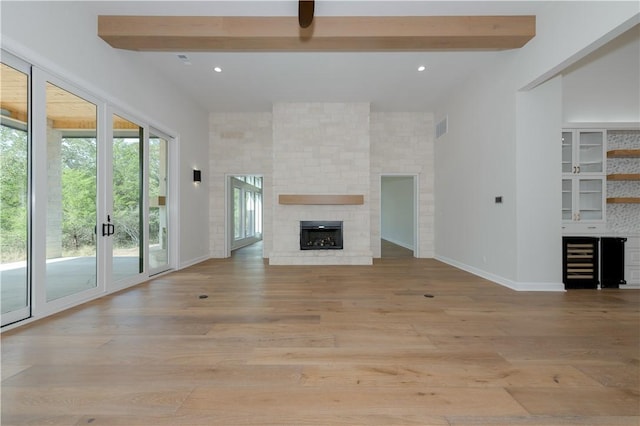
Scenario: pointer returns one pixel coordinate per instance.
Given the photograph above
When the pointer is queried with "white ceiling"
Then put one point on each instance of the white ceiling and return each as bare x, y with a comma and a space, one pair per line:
254, 81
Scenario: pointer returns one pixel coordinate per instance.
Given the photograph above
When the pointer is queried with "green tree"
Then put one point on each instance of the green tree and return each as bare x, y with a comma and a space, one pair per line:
79, 187
13, 194
79, 208
154, 187
78, 192
126, 191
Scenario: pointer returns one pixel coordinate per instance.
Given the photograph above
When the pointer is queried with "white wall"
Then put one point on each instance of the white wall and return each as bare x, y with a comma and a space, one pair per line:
475, 162
566, 32
480, 156
539, 191
605, 86
61, 37
398, 210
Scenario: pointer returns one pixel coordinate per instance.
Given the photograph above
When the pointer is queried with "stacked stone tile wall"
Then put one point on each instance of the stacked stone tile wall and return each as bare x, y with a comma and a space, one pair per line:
241, 144
317, 148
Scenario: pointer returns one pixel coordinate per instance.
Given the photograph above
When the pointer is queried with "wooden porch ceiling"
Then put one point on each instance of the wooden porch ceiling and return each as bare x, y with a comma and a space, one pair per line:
336, 34
65, 111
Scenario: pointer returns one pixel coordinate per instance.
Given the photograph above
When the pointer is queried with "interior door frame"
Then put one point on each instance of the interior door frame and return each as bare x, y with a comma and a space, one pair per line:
228, 206
416, 207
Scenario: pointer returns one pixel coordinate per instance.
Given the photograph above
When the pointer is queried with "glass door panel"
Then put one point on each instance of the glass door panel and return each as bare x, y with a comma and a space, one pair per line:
567, 152
127, 260
14, 194
591, 153
237, 213
158, 203
71, 147
591, 204
258, 214
248, 214
567, 199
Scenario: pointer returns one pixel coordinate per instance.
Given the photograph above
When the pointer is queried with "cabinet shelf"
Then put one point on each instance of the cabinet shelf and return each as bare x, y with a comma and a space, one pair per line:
624, 176
624, 153
623, 200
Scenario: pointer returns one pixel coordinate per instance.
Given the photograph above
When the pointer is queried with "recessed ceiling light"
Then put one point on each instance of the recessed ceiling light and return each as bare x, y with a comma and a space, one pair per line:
422, 68
217, 69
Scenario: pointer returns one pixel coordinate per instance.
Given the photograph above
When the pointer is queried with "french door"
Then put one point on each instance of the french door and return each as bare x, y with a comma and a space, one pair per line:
76, 181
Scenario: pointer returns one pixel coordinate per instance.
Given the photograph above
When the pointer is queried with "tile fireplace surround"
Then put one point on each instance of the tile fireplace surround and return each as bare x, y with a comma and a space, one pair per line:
321, 149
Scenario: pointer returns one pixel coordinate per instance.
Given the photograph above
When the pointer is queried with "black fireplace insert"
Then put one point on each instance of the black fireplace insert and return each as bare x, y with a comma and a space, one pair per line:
321, 235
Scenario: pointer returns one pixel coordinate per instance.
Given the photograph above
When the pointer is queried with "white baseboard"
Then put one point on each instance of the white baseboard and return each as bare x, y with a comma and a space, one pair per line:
192, 262
505, 282
630, 287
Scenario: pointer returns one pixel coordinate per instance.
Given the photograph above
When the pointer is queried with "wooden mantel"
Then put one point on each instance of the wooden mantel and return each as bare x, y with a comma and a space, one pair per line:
346, 33
320, 199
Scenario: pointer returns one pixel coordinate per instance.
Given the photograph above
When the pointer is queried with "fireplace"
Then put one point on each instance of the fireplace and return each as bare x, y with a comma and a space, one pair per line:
321, 235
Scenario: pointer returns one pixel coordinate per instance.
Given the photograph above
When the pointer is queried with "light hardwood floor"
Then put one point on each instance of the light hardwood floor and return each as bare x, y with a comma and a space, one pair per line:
310, 345
389, 249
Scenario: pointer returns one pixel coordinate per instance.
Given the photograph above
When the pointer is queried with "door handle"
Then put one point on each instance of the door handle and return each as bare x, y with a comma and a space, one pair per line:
108, 228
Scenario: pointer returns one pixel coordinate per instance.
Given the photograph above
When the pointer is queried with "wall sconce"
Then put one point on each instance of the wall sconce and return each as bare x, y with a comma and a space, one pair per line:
197, 175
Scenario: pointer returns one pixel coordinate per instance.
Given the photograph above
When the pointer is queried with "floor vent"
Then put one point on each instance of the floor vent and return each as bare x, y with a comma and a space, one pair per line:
441, 127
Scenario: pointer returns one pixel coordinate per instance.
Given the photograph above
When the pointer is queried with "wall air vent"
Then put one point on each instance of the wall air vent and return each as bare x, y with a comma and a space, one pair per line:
442, 127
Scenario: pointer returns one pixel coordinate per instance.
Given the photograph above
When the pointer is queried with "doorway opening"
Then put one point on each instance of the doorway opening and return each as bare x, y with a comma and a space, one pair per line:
398, 216
245, 212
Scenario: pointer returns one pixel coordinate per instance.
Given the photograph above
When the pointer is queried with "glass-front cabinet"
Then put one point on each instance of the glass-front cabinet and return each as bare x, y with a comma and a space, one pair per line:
582, 199
583, 151
583, 178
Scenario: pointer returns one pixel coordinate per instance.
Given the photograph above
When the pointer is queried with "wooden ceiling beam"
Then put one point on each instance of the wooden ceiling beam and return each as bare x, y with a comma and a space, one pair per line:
273, 34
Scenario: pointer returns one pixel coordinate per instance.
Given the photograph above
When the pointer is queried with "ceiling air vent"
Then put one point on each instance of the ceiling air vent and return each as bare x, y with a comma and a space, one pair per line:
184, 59
441, 127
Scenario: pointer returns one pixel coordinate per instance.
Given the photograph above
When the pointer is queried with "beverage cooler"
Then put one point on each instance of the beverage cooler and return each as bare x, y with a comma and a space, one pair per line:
592, 262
